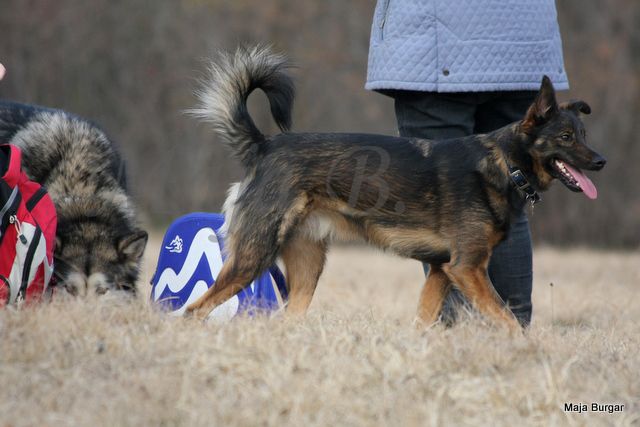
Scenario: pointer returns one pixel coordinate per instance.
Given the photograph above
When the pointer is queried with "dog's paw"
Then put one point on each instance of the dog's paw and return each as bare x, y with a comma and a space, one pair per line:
189, 312
422, 325
197, 312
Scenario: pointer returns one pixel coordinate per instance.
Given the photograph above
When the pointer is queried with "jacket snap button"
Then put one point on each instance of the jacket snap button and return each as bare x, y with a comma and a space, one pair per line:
445, 72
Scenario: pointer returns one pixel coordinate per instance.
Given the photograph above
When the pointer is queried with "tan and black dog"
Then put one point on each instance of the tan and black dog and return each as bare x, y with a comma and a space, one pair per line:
446, 203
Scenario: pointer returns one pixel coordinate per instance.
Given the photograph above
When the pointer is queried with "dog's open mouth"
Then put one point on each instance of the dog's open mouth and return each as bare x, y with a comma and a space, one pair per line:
574, 178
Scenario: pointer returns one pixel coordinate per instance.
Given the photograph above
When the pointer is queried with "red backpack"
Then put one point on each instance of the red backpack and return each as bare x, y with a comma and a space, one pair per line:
27, 232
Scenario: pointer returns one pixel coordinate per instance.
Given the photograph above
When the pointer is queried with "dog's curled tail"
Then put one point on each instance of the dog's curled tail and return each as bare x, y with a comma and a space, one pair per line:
223, 98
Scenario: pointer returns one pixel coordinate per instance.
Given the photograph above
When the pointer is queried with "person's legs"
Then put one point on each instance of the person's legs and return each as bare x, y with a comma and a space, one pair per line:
499, 109
437, 116
510, 268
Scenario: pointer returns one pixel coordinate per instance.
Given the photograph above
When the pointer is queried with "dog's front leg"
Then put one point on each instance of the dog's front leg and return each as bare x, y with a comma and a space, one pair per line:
473, 282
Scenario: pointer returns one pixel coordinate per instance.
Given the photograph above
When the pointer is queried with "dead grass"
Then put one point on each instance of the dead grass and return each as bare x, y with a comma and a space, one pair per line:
355, 360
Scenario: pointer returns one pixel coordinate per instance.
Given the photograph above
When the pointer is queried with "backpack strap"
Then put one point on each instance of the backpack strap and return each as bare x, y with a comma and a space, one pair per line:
12, 173
35, 198
4, 159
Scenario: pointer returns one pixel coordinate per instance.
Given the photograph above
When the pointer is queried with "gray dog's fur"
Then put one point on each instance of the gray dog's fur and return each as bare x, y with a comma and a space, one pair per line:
98, 242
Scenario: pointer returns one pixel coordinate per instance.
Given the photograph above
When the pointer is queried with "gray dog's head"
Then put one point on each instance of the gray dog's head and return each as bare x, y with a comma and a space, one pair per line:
97, 251
94, 264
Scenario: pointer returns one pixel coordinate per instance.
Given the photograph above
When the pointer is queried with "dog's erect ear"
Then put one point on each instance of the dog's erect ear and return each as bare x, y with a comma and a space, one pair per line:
576, 106
132, 246
543, 107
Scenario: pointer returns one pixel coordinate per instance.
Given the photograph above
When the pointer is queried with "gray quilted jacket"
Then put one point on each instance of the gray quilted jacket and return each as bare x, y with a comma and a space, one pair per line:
465, 45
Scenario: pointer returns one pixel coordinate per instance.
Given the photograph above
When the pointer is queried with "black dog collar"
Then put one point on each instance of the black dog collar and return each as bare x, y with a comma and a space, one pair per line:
522, 184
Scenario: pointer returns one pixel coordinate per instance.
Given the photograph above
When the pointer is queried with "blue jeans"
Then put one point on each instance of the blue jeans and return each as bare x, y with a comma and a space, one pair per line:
452, 115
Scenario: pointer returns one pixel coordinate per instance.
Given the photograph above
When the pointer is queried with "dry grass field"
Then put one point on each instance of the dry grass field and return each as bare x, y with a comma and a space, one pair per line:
354, 361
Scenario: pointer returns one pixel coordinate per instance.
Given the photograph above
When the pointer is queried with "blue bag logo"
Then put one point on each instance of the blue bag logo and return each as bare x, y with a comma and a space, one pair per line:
175, 246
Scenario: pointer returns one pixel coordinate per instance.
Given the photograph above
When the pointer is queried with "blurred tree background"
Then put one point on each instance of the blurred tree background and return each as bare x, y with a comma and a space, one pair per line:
132, 67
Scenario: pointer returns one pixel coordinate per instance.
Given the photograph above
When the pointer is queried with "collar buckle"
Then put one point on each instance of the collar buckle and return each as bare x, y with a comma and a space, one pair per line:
522, 184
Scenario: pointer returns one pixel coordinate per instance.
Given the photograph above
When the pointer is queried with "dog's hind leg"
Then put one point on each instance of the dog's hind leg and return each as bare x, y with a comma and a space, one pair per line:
251, 250
432, 296
256, 233
231, 280
304, 260
249, 255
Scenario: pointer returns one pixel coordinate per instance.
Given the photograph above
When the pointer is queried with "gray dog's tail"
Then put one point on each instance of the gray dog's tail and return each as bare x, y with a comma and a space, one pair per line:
223, 99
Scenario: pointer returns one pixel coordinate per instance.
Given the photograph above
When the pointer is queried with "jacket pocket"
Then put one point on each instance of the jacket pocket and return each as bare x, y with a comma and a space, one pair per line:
383, 15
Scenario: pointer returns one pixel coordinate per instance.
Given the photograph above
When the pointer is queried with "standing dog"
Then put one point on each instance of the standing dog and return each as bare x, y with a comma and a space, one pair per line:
98, 244
446, 203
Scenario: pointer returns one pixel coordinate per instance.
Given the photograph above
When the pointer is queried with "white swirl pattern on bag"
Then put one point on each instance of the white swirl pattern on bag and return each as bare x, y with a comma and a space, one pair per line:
204, 243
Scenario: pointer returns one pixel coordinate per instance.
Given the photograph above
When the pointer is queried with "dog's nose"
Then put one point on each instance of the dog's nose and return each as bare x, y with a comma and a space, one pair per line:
598, 162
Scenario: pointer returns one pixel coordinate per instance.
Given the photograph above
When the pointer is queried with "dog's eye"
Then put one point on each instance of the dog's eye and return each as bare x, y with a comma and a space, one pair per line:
566, 137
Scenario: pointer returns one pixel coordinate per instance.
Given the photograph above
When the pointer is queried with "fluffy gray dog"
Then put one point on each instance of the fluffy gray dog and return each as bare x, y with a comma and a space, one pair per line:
99, 244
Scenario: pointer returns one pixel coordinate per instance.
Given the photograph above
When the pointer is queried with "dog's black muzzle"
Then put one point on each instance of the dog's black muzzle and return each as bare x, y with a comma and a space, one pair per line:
597, 163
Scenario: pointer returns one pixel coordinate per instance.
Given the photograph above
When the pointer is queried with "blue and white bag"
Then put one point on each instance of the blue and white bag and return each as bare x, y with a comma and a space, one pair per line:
190, 259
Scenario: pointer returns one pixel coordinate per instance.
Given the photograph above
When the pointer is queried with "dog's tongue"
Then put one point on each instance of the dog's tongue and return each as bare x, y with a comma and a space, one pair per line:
586, 185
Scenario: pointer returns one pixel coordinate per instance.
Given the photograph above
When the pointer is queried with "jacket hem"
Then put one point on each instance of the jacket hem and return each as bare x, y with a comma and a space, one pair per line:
459, 87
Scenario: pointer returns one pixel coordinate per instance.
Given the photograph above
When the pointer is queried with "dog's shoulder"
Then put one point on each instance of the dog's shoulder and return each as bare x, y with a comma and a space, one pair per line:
16, 115
44, 133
